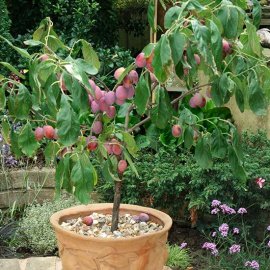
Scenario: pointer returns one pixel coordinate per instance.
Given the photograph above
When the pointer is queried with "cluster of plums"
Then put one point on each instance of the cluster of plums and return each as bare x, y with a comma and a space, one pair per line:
113, 147
47, 131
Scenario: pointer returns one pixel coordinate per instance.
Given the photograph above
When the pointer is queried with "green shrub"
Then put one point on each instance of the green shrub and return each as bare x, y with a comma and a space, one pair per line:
4, 31
178, 258
170, 178
111, 59
35, 231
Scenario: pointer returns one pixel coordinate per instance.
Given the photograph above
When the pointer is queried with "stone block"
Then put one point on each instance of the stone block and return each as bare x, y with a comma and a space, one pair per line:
9, 264
41, 263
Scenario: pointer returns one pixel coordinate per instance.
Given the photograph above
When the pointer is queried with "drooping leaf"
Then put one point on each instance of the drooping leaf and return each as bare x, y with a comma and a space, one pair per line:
50, 152
130, 162
62, 175
162, 59
256, 13
22, 103
236, 165
203, 154
188, 137
216, 42
253, 39
229, 16
257, 101
177, 43
151, 14
27, 141
5, 130
171, 16
89, 55
219, 144
2, 99
130, 143
161, 113
14, 137
22, 52
67, 123
142, 95
12, 69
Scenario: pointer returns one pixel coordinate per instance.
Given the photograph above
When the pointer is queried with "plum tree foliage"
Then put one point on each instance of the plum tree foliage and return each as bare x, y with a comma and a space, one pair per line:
64, 102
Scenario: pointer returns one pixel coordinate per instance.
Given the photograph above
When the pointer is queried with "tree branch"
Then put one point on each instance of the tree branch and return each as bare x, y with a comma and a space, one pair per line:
192, 91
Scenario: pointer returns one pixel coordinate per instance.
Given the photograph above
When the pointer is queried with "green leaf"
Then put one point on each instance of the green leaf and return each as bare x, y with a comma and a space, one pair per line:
142, 95
14, 137
130, 143
12, 69
90, 55
256, 13
219, 144
130, 162
203, 37
187, 117
162, 59
27, 141
239, 96
161, 113
5, 130
188, 137
253, 39
165, 52
203, 154
216, 42
22, 52
2, 99
177, 43
83, 171
147, 50
256, 100
32, 42
229, 17
236, 165
107, 171
67, 123
50, 152
151, 14
171, 16
123, 75
142, 141
62, 175
22, 103
222, 89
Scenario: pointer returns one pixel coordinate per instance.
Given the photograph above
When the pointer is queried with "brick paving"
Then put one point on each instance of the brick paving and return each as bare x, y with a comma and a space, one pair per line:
35, 263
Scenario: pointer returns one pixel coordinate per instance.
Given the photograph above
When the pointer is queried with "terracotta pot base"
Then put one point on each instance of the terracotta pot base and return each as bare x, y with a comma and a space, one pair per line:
146, 252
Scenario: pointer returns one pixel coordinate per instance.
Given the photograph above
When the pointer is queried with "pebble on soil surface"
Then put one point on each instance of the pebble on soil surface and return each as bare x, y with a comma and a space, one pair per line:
129, 226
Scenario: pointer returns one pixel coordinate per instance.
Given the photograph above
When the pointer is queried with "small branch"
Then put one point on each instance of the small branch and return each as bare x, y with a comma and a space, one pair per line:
192, 91
101, 82
131, 107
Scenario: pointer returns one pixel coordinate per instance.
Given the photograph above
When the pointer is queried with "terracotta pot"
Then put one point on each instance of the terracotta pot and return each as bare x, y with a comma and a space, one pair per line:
77, 252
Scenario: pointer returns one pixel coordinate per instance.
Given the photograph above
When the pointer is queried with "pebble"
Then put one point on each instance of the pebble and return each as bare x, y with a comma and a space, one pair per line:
129, 226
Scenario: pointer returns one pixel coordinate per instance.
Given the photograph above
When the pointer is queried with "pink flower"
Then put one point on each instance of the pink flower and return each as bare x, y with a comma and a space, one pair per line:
260, 182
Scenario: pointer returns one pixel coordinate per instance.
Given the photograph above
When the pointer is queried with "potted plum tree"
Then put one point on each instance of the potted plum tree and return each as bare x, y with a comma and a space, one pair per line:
67, 105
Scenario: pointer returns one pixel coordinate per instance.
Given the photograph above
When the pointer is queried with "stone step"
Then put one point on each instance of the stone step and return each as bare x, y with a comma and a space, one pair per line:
36, 263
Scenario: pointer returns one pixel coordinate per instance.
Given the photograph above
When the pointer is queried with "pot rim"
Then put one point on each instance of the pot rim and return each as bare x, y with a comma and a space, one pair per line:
98, 207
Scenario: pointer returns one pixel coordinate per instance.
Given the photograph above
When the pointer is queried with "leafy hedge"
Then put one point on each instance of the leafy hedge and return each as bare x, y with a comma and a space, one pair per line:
170, 179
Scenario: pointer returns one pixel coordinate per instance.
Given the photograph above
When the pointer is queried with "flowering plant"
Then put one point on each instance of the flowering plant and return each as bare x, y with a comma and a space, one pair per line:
80, 117
229, 242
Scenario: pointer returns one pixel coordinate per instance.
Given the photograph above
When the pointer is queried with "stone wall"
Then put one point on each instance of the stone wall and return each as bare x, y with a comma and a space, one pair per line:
26, 186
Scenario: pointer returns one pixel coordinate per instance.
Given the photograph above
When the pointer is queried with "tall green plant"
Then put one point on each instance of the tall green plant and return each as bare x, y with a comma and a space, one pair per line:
218, 39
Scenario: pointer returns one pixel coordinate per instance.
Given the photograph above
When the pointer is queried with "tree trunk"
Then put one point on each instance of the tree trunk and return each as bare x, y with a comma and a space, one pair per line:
116, 205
